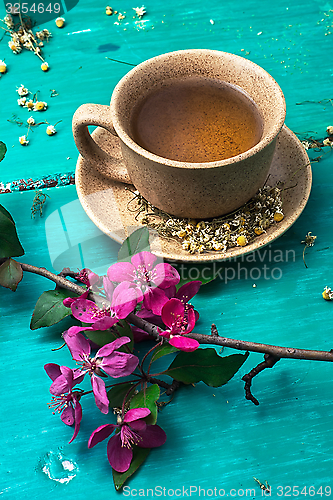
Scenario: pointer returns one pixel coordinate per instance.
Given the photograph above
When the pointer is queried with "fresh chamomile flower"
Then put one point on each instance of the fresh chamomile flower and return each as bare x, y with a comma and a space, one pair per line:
44, 66
3, 67
39, 106
50, 130
22, 91
31, 121
23, 140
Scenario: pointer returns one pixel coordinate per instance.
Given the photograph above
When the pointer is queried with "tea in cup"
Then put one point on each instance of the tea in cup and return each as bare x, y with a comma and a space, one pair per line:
197, 130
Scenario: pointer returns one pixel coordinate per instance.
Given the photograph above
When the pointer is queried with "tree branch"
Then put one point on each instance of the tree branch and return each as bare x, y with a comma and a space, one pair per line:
268, 363
215, 339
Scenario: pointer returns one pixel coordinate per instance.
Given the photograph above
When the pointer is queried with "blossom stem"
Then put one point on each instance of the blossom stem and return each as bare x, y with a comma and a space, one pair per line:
242, 345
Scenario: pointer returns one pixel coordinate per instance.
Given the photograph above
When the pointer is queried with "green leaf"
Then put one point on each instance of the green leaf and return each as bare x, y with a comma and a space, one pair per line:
205, 365
139, 456
137, 242
10, 274
163, 350
3, 150
10, 245
125, 330
202, 272
117, 394
49, 308
147, 399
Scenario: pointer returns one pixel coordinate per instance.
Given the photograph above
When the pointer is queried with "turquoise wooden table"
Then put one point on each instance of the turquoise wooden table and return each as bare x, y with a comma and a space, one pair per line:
216, 439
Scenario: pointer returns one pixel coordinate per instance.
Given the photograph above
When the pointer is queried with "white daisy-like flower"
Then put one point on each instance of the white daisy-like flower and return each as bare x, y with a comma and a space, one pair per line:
23, 140
22, 91
22, 101
140, 11
40, 106
31, 120
50, 130
3, 66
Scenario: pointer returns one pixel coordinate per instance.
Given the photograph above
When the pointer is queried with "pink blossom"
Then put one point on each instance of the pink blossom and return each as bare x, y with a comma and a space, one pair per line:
149, 280
178, 323
64, 399
131, 430
107, 361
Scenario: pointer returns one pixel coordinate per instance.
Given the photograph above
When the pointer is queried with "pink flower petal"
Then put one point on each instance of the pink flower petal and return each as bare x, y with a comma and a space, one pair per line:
187, 291
77, 419
101, 398
103, 323
184, 343
152, 437
52, 370
84, 310
67, 416
78, 345
172, 311
190, 320
73, 330
165, 275
59, 386
102, 432
154, 299
125, 299
119, 364
135, 414
108, 349
108, 287
121, 271
119, 456
145, 259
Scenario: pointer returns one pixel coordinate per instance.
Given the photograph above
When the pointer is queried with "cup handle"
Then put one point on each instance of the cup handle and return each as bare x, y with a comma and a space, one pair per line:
97, 114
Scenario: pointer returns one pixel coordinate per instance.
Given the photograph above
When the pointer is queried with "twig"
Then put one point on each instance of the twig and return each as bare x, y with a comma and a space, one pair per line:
268, 363
241, 345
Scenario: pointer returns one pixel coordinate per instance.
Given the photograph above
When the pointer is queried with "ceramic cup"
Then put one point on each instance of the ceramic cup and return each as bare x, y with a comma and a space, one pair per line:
194, 190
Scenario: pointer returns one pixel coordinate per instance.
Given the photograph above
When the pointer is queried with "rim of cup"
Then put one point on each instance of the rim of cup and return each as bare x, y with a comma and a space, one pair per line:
146, 66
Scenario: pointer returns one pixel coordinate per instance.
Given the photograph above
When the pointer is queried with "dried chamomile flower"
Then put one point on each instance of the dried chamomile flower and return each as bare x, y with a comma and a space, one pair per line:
22, 101
14, 46
3, 66
39, 106
31, 121
327, 293
50, 130
242, 240
9, 21
140, 11
23, 140
44, 66
60, 22
43, 35
22, 91
329, 130
309, 240
278, 216
328, 142
108, 10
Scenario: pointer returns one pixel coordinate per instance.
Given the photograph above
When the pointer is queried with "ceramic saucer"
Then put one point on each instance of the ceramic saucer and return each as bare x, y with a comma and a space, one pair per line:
106, 201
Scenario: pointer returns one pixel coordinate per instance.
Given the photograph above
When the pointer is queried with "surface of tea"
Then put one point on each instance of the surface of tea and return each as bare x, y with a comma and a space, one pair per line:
196, 120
